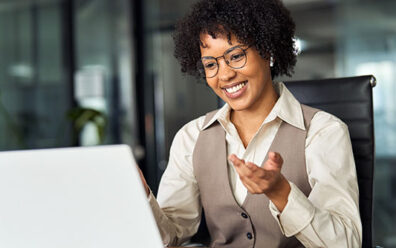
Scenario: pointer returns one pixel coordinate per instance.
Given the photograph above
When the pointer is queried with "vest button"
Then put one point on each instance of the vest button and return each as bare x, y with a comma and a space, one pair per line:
244, 215
249, 235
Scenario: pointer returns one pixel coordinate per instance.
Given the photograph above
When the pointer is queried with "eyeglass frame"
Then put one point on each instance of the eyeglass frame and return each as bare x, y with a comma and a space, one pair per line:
223, 56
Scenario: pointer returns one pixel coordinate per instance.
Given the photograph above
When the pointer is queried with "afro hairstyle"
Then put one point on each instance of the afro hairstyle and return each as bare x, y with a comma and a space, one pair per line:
266, 24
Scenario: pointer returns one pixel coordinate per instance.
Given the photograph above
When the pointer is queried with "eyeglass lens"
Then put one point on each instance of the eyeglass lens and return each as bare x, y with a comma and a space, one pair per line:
235, 58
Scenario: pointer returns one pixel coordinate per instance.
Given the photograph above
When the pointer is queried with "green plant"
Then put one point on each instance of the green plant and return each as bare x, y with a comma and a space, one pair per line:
81, 116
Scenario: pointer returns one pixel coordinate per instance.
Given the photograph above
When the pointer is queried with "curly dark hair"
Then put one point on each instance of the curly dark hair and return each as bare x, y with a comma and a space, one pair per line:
266, 24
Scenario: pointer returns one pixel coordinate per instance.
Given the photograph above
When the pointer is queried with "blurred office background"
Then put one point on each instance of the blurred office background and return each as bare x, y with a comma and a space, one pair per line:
86, 72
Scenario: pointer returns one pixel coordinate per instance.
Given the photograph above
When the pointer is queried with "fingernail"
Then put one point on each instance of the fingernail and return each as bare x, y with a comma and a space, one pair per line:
231, 158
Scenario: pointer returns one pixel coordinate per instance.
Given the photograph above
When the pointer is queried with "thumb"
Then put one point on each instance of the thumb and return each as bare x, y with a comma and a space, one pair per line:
146, 187
274, 161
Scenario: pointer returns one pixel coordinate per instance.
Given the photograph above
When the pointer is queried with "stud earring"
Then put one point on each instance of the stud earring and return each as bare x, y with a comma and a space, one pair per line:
271, 61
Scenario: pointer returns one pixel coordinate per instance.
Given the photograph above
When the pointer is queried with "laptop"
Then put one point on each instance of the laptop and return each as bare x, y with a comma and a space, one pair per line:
74, 197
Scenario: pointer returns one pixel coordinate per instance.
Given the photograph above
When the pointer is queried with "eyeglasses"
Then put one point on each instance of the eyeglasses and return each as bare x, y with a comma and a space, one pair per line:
235, 57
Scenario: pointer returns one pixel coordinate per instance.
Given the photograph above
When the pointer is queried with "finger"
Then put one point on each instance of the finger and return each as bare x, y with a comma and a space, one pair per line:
250, 185
275, 157
248, 169
258, 172
236, 161
271, 166
250, 189
254, 168
251, 166
243, 170
255, 185
239, 165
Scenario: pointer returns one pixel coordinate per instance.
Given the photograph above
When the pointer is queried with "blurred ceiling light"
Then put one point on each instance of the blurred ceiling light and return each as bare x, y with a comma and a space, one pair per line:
299, 45
21, 71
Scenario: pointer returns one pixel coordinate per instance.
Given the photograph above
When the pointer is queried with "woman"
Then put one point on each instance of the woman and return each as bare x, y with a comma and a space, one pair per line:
290, 179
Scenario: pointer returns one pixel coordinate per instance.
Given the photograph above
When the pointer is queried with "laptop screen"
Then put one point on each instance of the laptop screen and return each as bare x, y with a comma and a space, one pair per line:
74, 197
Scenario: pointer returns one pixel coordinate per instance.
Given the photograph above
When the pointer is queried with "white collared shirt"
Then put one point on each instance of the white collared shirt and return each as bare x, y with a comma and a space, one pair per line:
329, 217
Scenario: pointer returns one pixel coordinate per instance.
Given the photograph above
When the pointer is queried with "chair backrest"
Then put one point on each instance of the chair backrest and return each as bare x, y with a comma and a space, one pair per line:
350, 99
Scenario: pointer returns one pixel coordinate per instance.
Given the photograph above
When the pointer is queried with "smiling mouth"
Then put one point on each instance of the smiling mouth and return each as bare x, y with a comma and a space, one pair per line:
235, 88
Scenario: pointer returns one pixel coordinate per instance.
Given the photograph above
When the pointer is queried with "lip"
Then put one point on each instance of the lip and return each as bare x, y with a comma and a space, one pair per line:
235, 94
233, 84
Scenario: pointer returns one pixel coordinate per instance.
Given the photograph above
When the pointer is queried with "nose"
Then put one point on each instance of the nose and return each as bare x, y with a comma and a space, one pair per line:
225, 72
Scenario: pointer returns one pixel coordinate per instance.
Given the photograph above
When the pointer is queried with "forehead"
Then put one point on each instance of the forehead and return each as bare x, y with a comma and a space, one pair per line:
212, 46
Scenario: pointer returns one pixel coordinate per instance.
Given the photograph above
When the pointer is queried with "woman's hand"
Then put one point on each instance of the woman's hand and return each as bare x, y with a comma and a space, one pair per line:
146, 187
266, 180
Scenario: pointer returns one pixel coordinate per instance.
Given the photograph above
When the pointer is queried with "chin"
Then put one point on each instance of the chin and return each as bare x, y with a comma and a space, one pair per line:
238, 107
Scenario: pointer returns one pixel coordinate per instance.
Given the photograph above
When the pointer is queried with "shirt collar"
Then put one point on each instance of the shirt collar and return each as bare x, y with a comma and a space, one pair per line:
223, 115
287, 108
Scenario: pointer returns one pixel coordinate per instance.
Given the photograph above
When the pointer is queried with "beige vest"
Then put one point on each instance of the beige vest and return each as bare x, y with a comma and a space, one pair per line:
250, 225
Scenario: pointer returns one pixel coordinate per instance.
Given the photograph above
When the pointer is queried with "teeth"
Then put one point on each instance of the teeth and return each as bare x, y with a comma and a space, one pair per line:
235, 88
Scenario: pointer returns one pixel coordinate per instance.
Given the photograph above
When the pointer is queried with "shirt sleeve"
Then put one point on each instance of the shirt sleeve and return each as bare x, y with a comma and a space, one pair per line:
329, 216
177, 209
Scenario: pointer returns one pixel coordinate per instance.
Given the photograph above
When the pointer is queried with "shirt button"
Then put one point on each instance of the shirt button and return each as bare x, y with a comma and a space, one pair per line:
244, 215
249, 235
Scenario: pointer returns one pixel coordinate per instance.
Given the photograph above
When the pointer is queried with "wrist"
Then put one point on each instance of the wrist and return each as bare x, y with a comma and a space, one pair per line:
280, 193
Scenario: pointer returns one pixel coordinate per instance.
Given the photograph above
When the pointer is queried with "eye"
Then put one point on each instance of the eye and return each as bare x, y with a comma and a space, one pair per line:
210, 65
236, 56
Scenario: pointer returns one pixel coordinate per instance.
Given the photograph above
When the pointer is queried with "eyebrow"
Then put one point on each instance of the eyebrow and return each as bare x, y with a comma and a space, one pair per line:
228, 50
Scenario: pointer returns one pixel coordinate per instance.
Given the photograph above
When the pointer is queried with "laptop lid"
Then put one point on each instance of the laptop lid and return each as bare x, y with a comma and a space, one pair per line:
74, 197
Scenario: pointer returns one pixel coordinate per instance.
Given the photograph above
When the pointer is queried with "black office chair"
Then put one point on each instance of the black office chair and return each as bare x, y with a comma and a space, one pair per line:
350, 99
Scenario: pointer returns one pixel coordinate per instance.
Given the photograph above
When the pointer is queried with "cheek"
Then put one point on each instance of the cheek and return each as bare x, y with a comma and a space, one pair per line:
212, 84
257, 71
256, 66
